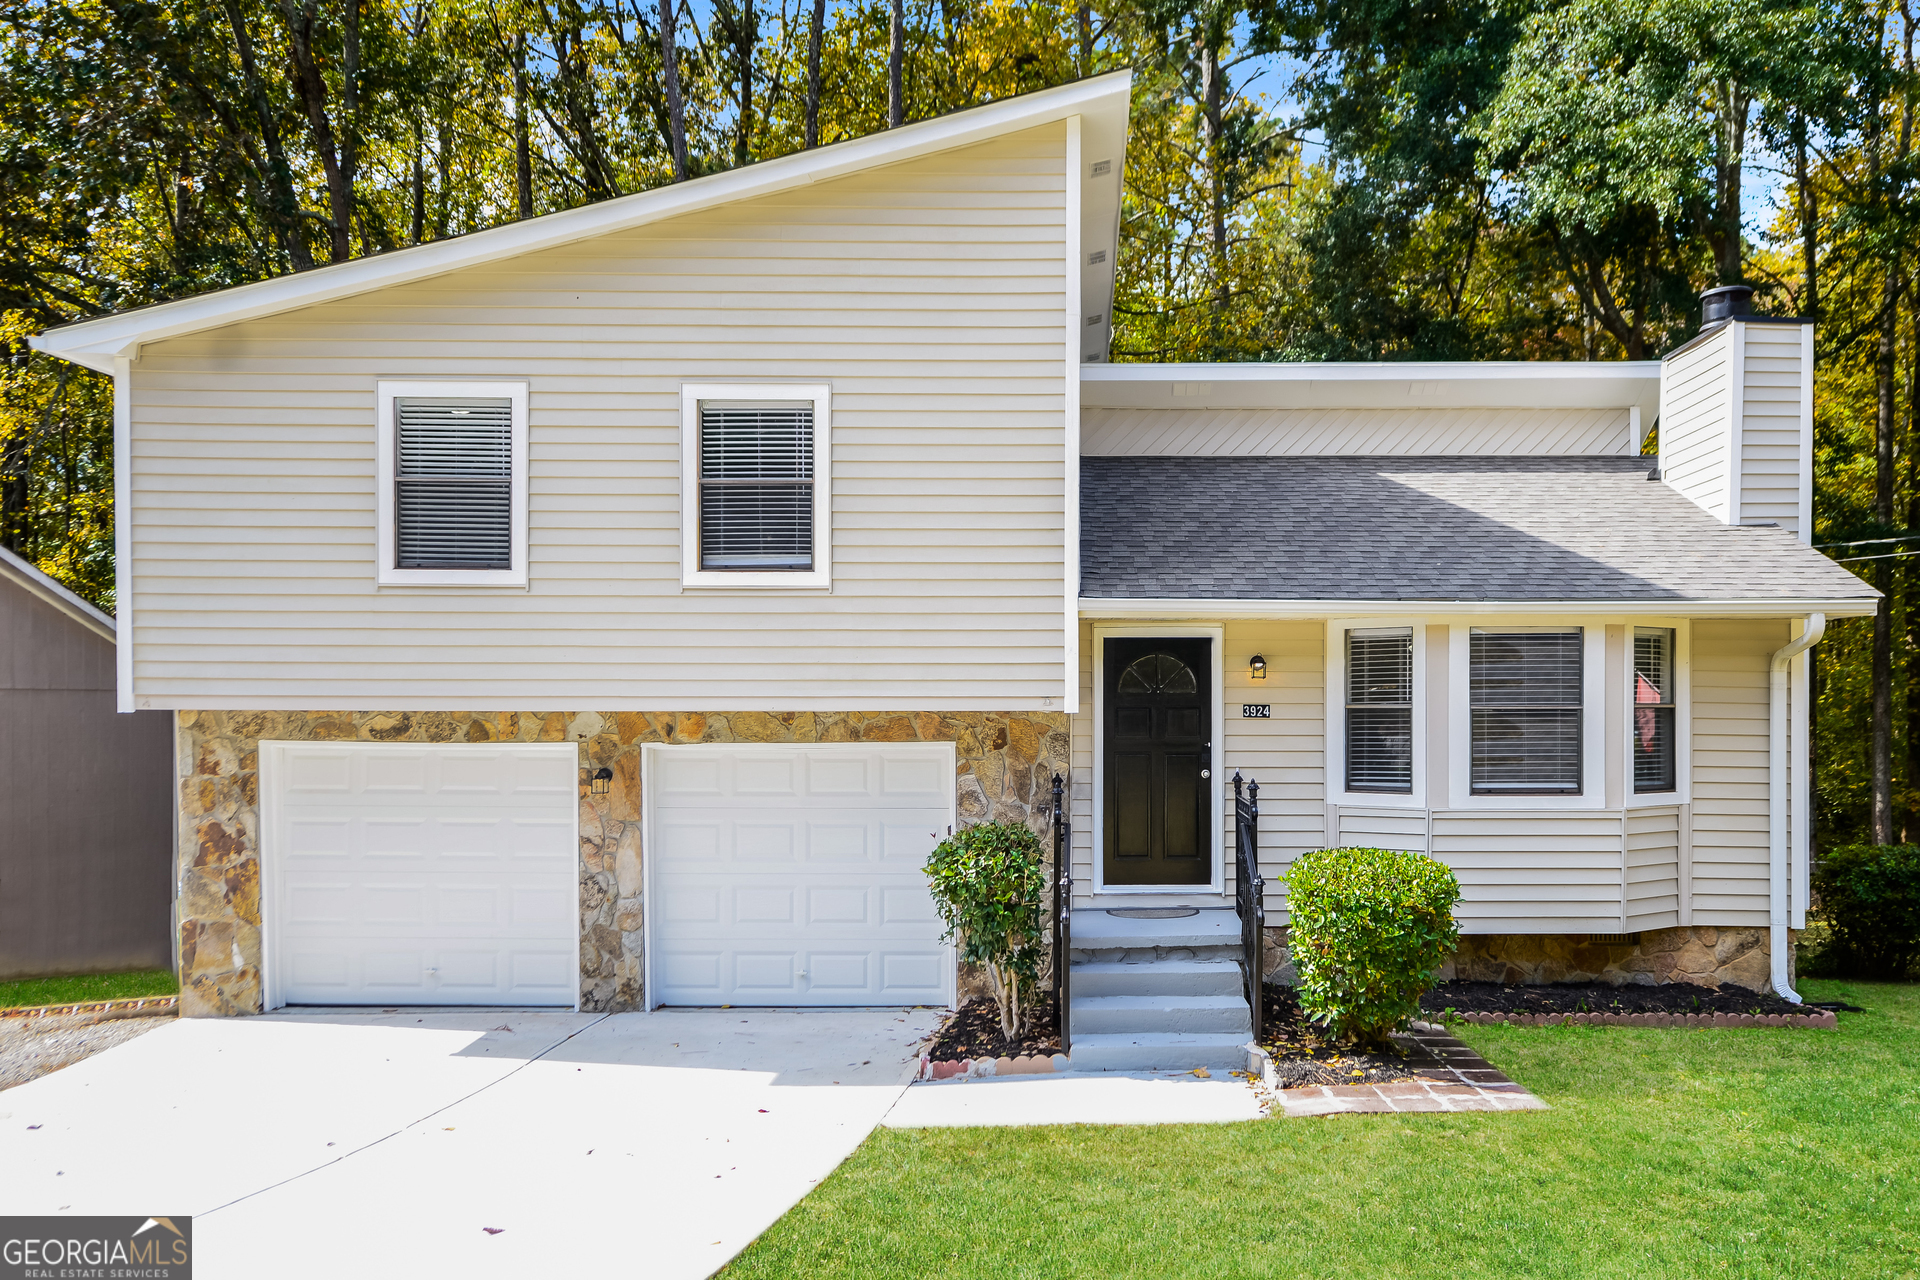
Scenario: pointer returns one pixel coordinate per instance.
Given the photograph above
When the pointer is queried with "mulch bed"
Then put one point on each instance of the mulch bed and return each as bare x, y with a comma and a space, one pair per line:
973, 1031
1599, 997
1303, 1057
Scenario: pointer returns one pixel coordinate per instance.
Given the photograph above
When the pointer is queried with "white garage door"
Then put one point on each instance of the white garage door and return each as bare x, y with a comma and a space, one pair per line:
791, 875
403, 874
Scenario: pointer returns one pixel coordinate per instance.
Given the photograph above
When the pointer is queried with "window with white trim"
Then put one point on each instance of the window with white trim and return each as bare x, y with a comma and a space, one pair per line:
1524, 690
1653, 730
1379, 721
757, 492
453, 485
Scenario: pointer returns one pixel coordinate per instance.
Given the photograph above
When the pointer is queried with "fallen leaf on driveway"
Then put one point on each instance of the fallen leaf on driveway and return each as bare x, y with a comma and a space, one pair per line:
493, 1231
1203, 1073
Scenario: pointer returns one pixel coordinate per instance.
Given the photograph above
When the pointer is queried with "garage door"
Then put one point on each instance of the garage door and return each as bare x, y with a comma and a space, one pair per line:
788, 875
401, 874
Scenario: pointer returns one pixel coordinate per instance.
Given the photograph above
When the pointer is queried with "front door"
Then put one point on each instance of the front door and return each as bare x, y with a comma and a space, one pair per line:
1159, 757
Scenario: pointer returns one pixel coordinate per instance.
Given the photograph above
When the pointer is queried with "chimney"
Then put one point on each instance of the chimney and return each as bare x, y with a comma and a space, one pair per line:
1736, 415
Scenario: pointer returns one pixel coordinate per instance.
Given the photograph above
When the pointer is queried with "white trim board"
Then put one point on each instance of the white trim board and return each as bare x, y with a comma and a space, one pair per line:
820, 394
1172, 608
1335, 684
387, 573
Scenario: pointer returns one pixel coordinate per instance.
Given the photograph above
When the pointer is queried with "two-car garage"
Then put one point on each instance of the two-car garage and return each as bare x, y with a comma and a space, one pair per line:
431, 874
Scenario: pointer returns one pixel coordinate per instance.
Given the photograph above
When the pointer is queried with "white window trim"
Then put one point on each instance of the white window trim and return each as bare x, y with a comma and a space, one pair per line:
691, 574
1218, 634
386, 494
1682, 792
1593, 724
1336, 688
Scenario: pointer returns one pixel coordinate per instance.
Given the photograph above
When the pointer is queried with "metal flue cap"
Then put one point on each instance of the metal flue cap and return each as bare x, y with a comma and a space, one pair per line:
1721, 304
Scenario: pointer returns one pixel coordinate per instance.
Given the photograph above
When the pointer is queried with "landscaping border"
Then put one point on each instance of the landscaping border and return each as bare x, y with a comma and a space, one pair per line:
975, 1068
1825, 1020
103, 1010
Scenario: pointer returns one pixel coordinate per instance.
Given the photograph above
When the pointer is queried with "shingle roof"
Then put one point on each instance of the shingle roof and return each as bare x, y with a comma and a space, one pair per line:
1425, 528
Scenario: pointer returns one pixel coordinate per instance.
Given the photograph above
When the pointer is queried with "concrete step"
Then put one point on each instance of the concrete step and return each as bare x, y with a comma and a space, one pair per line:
1095, 930
1145, 1051
1094, 1015
1157, 978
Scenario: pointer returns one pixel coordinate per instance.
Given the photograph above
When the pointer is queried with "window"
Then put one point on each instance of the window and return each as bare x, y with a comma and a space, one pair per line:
756, 500
1524, 695
453, 486
1380, 710
1653, 710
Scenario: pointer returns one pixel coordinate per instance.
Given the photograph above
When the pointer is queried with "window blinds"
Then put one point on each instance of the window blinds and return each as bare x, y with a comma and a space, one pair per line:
1653, 704
1524, 692
1380, 711
454, 481
756, 486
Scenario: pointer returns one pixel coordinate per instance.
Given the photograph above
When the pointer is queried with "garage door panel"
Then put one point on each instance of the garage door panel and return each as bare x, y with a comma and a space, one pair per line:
763, 904
839, 905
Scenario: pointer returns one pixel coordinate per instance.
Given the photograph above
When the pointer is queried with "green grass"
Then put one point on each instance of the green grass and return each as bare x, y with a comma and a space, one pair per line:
87, 987
1666, 1153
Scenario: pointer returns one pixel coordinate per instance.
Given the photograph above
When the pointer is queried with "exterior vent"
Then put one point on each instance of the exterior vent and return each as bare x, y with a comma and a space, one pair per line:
454, 476
1613, 939
1096, 318
1097, 257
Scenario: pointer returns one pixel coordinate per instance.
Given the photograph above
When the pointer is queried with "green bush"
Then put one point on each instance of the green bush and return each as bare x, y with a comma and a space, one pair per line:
1869, 899
988, 883
1369, 929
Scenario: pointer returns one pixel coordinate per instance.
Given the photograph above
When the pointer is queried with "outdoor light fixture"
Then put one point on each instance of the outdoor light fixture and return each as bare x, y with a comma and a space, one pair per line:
1257, 667
602, 781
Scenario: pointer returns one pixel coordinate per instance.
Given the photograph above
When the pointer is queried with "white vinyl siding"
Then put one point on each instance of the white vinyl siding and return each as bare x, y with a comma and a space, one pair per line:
931, 295
1696, 415
1735, 423
1771, 439
1396, 432
1729, 770
1652, 889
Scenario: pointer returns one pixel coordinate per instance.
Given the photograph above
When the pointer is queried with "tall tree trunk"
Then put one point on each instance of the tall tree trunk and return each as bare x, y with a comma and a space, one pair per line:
1910, 820
1213, 97
1881, 741
288, 227
1083, 20
1735, 104
896, 66
676, 108
745, 38
312, 88
522, 140
350, 103
417, 224
1809, 201
816, 29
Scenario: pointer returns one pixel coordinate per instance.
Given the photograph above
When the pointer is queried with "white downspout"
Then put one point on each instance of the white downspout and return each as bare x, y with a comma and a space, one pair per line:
1777, 782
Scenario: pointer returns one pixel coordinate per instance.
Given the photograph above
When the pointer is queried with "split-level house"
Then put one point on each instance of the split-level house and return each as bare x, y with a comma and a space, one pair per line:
612, 609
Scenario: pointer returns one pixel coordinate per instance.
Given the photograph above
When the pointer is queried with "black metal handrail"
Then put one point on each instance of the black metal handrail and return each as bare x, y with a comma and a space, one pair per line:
1249, 890
1062, 911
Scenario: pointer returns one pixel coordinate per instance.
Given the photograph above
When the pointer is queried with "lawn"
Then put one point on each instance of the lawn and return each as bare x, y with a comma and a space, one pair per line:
1666, 1153
88, 987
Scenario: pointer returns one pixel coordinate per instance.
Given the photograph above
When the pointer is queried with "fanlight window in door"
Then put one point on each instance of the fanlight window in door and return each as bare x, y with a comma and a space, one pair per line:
1158, 673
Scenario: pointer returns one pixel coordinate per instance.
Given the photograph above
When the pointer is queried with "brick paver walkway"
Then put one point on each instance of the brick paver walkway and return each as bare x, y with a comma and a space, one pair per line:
1452, 1078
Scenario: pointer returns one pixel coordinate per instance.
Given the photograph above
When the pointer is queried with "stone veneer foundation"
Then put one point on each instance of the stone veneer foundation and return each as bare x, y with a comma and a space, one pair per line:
1006, 762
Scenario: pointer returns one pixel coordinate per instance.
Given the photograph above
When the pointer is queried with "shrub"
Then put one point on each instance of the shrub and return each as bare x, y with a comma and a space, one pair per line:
988, 881
1870, 901
1369, 929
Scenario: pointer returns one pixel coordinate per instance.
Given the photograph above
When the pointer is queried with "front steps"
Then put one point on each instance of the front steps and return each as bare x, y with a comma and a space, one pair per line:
1157, 995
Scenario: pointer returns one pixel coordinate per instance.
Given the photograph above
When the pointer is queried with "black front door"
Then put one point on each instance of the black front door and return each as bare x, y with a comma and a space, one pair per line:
1159, 756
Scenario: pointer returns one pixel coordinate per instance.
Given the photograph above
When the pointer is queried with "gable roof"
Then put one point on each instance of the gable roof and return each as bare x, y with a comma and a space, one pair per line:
30, 579
1100, 101
1553, 530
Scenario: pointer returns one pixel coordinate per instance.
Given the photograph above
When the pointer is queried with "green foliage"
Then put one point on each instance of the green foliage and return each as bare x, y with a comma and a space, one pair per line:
1869, 899
988, 884
1368, 930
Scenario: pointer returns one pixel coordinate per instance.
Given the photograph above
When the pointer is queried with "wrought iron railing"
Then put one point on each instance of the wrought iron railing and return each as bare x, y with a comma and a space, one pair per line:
1062, 911
1249, 890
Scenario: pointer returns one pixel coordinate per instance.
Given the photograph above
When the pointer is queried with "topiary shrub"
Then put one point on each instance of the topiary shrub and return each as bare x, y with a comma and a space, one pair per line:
988, 881
1870, 901
1368, 929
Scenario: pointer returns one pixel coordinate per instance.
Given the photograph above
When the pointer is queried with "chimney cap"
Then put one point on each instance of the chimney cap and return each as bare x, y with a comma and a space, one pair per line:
1724, 302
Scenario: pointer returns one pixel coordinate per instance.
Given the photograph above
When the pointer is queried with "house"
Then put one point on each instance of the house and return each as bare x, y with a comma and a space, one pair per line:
613, 607
87, 845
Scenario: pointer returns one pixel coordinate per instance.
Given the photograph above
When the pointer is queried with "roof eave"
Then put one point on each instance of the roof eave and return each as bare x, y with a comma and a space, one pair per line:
1169, 607
30, 578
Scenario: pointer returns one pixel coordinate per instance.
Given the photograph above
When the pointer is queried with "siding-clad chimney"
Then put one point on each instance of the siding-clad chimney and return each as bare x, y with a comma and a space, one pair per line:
1736, 416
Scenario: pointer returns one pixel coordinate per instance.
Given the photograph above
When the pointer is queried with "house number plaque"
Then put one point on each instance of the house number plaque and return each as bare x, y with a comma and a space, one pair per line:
1256, 711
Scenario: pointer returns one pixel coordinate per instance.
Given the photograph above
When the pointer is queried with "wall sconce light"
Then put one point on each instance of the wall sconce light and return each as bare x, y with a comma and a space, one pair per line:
602, 781
1257, 667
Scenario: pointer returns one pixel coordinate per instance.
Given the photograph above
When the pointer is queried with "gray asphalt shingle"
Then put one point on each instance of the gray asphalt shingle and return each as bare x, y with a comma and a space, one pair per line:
1425, 528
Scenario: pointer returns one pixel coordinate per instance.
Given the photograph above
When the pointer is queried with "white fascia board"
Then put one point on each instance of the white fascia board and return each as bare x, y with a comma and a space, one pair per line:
1115, 607
1391, 385
95, 343
30, 579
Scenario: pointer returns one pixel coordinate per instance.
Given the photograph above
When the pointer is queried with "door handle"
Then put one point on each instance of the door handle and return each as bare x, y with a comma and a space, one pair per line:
1206, 773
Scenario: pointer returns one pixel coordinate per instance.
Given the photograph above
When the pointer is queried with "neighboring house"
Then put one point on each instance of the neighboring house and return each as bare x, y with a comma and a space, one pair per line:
86, 843
614, 606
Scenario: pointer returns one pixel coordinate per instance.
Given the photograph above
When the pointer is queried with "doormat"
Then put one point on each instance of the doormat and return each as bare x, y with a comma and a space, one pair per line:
1152, 913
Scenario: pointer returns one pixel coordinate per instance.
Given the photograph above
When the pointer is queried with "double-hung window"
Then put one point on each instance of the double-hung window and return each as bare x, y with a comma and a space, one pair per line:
452, 477
757, 492
1525, 710
1653, 710
1379, 721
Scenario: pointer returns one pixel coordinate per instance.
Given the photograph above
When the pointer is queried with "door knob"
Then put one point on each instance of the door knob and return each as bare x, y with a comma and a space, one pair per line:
1206, 773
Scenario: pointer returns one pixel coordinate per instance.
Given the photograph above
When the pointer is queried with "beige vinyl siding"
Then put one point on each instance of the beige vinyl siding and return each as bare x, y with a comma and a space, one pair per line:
931, 294
1652, 869
1382, 827
1729, 847
1395, 432
1770, 426
1696, 411
1533, 871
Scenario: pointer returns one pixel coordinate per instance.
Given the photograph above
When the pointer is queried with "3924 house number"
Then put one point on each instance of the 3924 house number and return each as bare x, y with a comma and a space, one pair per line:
1256, 711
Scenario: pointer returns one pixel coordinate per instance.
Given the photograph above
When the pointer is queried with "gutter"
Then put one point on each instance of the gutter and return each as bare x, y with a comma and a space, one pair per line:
1777, 795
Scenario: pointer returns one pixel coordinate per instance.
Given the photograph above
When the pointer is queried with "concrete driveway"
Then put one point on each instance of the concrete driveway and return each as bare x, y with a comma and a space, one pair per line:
386, 1144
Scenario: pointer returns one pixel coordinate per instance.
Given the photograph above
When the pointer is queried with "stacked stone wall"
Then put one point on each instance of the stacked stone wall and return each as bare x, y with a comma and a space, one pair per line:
1006, 763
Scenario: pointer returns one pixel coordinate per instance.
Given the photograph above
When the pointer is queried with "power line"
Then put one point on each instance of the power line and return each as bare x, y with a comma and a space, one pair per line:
1864, 542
